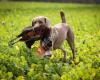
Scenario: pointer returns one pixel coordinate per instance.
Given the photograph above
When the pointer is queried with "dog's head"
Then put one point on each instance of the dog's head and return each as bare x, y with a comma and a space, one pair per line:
40, 21
41, 26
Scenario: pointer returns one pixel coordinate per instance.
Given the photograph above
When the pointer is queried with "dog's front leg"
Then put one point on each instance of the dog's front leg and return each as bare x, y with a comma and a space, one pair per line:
64, 51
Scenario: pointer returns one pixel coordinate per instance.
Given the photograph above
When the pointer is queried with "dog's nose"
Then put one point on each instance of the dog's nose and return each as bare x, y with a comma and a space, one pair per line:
36, 25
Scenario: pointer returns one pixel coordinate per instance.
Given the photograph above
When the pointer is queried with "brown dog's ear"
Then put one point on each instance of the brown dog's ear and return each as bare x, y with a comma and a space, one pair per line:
33, 22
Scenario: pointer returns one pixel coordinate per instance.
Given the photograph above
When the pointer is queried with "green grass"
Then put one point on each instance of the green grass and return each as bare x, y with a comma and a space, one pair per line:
21, 63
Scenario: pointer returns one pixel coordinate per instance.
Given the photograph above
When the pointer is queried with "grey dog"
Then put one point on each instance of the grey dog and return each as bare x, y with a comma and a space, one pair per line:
57, 34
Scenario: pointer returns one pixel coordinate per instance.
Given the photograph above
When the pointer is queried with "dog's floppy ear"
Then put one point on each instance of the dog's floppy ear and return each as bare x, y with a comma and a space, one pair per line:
47, 22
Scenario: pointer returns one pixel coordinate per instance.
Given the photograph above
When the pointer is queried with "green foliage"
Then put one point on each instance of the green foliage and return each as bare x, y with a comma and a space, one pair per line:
20, 63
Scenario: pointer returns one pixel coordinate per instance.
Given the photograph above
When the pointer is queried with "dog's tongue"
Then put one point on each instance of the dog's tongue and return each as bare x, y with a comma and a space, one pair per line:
40, 51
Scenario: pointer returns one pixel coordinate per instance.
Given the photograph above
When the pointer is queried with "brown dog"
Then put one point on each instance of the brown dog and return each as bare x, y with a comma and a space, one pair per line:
57, 35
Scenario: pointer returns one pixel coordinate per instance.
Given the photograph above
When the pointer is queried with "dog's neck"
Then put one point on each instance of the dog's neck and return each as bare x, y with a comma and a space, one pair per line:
45, 37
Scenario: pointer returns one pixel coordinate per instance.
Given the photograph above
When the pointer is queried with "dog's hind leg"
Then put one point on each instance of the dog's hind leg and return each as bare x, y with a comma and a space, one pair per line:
70, 40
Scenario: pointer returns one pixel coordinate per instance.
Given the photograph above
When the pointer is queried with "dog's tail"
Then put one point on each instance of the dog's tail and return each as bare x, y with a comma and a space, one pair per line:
62, 17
